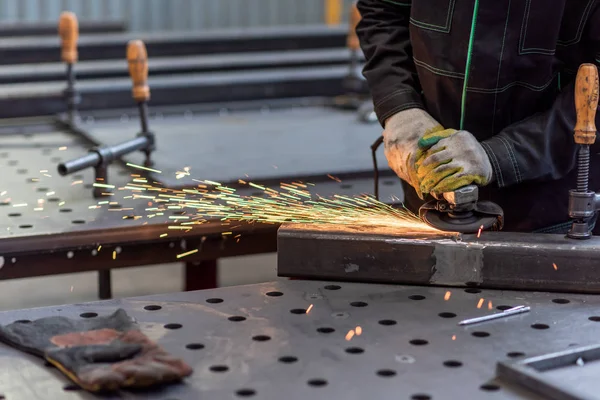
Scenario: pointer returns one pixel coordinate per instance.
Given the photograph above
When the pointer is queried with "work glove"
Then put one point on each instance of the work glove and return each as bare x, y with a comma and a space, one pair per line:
401, 142
450, 160
99, 354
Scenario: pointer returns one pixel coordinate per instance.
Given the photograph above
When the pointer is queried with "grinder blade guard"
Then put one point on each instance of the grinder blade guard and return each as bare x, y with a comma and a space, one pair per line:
460, 211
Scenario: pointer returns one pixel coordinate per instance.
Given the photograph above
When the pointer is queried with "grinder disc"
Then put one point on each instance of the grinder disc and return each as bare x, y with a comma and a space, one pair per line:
486, 216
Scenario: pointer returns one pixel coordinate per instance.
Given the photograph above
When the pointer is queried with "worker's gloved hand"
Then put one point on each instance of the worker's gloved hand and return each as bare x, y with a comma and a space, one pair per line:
451, 159
99, 354
401, 141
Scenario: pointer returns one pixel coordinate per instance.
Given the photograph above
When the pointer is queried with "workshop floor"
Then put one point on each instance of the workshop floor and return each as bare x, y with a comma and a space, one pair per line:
82, 287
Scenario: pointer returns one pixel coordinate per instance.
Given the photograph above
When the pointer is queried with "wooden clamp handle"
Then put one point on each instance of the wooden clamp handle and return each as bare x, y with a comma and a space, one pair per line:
586, 103
68, 29
137, 58
352, 42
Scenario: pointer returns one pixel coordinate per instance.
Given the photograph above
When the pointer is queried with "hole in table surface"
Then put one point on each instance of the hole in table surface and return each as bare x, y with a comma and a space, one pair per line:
447, 315
515, 354
14, 214
21, 171
298, 311
173, 326
88, 315
4, 203
115, 206
12, 163
219, 368
386, 373
346, 186
325, 330
65, 210
245, 392
472, 290
274, 294
355, 350
480, 334
214, 301
53, 200
453, 364
42, 189
387, 322
540, 326
359, 304
25, 226
503, 307
419, 342
194, 346
594, 318
421, 397
417, 297
561, 301
288, 359
23, 321
237, 318
489, 387
152, 307
261, 338
78, 221
333, 287
317, 382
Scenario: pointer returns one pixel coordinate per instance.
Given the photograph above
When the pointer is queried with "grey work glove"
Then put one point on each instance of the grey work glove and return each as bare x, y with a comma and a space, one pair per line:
401, 142
451, 159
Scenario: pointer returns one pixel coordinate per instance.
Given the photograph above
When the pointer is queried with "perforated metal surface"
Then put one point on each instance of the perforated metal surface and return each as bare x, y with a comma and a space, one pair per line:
260, 341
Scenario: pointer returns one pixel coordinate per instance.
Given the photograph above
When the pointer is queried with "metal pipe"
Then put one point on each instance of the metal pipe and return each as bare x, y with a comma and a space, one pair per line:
103, 155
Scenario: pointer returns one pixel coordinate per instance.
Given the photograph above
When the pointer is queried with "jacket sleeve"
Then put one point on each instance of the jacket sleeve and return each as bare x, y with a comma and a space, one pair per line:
542, 147
389, 70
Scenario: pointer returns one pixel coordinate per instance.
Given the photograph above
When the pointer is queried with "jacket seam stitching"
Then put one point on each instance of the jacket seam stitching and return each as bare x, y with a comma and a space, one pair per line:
512, 157
515, 83
389, 96
438, 71
444, 29
500, 66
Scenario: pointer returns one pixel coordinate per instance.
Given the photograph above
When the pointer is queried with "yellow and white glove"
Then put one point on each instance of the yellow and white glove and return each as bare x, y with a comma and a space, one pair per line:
401, 142
451, 159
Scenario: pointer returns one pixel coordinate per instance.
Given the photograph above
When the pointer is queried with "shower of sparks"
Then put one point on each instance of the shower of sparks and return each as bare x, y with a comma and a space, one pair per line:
453, 337
63, 148
292, 203
309, 308
447, 295
358, 330
114, 255
480, 304
350, 335
555, 266
490, 306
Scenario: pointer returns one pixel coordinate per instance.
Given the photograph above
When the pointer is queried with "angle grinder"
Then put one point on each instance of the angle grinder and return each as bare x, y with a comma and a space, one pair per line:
461, 211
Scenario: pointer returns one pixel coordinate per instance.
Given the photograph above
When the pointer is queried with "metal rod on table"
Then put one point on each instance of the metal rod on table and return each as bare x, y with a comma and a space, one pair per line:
505, 313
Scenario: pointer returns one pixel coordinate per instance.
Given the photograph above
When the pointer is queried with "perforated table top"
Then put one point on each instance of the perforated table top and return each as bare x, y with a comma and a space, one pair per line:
292, 340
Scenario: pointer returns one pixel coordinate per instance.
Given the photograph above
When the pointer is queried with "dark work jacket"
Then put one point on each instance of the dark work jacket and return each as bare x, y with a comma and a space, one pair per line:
518, 96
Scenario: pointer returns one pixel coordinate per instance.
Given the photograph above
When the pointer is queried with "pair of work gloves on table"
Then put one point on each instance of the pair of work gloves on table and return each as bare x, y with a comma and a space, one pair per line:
433, 160
99, 354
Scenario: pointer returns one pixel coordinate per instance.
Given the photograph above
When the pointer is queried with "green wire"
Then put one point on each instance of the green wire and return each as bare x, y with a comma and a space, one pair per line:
468, 66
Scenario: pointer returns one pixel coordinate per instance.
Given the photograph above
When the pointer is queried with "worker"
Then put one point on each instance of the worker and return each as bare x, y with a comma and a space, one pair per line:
481, 92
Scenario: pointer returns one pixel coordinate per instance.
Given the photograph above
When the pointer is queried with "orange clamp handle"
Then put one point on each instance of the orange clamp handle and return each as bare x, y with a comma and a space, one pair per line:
68, 29
586, 103
355, 17
137, 58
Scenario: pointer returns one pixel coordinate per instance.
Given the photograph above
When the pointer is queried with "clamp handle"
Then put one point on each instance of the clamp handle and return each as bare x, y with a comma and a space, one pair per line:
137, 58
355, 17
586, 103
68, 29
